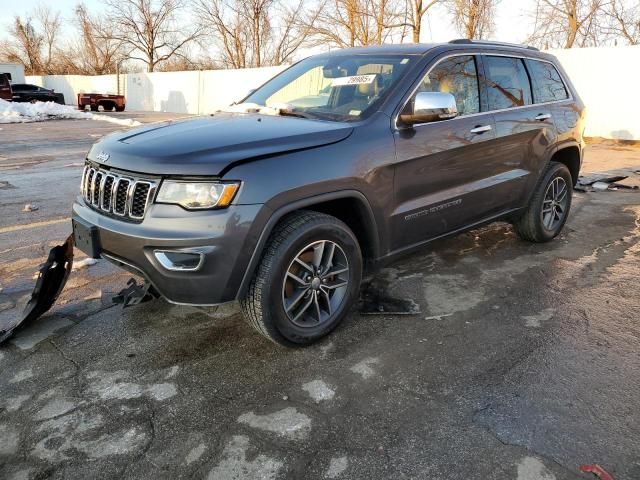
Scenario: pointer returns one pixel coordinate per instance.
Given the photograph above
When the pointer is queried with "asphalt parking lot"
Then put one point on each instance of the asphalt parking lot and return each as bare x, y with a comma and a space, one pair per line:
523, 363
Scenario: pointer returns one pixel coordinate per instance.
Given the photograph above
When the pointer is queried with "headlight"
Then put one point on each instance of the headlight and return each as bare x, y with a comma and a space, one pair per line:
197, 195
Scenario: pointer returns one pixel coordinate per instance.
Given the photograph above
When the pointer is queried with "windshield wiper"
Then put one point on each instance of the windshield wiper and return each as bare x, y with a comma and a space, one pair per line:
291, 113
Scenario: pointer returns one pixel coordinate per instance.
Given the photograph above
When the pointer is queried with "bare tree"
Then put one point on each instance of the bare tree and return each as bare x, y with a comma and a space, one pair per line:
97, 51
34, 41
623, 21
474, 18
254, 33
567, 23
350, 23
416, 10
149, 29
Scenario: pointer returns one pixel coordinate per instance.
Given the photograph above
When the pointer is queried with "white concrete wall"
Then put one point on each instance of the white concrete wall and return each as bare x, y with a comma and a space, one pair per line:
607, 79
182, 92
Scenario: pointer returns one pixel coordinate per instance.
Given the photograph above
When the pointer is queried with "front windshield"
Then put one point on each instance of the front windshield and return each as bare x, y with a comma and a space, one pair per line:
341, 88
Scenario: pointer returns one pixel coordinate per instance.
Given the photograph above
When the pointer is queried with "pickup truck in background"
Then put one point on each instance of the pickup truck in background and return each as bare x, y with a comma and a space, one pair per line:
26, 92
5, 88
108, 102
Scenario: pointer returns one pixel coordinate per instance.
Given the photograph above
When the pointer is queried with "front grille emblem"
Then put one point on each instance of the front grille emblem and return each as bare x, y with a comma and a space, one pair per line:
102, 157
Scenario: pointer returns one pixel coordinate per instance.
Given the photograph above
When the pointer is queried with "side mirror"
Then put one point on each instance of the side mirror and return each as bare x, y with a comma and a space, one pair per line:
429, 107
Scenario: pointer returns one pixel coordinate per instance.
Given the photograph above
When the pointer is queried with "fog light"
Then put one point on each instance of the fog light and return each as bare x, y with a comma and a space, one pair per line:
179, 260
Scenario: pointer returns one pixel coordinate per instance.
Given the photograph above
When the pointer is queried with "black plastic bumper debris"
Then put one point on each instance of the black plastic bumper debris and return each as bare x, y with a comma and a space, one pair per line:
52, 277
135, 294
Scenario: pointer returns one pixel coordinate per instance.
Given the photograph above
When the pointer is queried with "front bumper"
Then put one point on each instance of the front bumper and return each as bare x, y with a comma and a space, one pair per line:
224, 237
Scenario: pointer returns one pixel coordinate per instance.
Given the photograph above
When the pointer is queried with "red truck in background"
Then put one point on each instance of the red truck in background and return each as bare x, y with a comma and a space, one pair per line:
95, 100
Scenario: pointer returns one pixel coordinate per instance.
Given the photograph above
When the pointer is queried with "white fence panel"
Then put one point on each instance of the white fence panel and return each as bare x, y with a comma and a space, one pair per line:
607, 80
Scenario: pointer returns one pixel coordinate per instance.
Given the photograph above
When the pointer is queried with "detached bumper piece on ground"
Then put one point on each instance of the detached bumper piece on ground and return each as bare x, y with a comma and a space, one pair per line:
135, 294
52, 277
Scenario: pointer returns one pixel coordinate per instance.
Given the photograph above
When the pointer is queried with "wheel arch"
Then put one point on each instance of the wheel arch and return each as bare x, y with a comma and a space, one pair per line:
570, 156
349, 206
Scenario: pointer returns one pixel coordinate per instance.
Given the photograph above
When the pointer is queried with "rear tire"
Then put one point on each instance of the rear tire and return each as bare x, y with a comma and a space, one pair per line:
311, 260
94, 108
549, 206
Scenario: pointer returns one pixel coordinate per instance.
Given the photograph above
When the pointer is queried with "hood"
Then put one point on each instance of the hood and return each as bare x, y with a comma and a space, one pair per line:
211, 145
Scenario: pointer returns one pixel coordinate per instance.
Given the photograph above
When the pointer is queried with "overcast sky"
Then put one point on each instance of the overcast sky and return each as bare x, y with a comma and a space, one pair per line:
511, 22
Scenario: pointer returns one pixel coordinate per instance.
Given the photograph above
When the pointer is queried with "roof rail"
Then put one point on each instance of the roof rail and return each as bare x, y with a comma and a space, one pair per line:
462, 41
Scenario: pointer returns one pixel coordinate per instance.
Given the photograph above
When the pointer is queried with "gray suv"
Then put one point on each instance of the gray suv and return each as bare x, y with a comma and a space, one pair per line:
338, 164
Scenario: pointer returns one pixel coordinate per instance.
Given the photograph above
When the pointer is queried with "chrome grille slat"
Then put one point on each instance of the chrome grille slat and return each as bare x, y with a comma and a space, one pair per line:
116, 194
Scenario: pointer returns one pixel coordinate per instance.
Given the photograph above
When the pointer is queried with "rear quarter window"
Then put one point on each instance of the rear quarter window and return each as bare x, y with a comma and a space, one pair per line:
507, 83
547, 83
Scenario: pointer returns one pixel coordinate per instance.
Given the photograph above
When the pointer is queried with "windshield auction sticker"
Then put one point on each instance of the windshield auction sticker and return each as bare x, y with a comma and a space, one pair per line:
353, 80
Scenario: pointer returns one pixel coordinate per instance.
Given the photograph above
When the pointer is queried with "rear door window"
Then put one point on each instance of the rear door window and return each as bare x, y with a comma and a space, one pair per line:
507, 83
547, 83
457, 76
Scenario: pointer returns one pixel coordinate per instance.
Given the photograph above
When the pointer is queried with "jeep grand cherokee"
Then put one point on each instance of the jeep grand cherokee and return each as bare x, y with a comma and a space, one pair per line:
343, 161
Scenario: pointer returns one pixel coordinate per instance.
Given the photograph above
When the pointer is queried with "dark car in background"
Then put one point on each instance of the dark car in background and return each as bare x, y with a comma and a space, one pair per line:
283, 201
5, 88
26, 92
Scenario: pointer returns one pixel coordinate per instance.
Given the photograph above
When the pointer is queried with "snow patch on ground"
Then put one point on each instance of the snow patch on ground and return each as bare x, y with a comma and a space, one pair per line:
195, 454
535, 321
318, 391
85, 262
235, 463
364, 369
12, 112
13, 404
336, 467
531, 468
286, 423
22, 375
8, 440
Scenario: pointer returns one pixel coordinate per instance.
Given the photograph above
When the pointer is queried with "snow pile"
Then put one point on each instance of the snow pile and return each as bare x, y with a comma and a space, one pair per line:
125, 122
12, 112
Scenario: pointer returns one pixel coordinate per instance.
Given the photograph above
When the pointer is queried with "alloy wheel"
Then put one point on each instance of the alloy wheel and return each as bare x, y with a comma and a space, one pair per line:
315, 283
554, 205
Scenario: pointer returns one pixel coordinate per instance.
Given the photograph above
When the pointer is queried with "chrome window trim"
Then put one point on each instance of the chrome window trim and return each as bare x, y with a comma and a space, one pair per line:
488, 54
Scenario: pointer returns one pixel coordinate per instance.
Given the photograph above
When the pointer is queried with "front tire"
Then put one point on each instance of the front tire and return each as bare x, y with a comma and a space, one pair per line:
307, 280
549, 207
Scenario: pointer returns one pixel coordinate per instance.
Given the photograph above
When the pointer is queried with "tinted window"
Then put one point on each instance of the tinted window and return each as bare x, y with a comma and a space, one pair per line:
547, 84
457, 76
4, 81
507, 83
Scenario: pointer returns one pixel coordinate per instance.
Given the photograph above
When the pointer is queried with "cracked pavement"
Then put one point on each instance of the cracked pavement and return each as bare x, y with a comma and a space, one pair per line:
523, 362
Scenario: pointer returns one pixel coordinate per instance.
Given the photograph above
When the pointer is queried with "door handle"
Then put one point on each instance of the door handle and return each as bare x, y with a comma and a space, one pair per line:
480, 129
543, 116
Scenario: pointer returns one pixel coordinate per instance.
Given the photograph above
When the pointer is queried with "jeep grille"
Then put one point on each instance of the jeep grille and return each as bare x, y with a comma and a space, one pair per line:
117, 194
